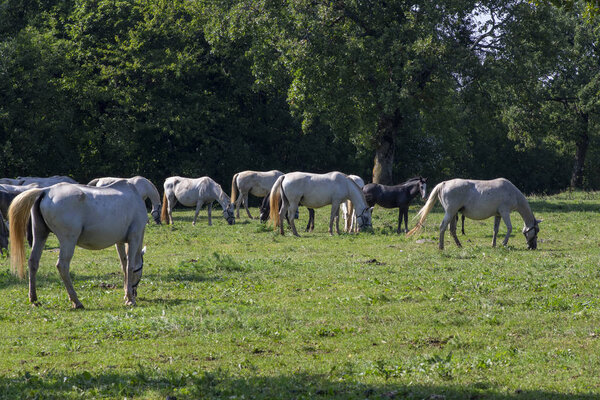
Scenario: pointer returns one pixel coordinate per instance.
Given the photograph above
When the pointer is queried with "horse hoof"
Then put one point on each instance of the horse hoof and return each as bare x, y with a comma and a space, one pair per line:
78, 306
130, 303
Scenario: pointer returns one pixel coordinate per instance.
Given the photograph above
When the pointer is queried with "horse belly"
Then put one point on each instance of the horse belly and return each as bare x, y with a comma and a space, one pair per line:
187, 198
479, 213
315, 200
97, 238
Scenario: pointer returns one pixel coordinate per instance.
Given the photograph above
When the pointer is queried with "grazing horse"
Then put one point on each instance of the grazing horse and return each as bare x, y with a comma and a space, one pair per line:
3, 234
195, 192
84, 216
348, 209
480, 200
256, 183
144, 187
265, 210
314, 191
45, 181
396, 196
8, 194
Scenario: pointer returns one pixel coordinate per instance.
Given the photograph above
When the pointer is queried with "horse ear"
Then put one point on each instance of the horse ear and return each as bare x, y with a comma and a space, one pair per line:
424, 179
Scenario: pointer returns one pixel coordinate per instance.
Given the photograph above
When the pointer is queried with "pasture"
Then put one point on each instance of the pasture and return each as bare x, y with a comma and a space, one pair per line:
241, 312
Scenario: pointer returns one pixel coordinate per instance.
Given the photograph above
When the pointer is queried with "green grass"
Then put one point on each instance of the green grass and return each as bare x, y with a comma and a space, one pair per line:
240, 312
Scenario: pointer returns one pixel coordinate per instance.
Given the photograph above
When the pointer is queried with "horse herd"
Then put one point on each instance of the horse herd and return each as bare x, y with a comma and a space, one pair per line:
79, 214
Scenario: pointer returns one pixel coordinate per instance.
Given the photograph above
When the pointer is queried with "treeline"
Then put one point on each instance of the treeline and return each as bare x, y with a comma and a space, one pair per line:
386, 90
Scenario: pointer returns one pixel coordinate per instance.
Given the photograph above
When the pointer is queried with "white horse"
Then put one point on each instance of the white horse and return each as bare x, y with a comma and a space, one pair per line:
89, 217
348, 211
195, 192
480, 200
144, 187
256, 183
314, 191
45, 181
40, 181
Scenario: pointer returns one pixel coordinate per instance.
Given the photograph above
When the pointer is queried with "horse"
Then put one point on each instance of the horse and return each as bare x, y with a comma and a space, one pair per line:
256, 183
347, 209
195, 192
396, 196
480, 200
8, 194
3, 234
45, 181
84, 216
10, 181
314, 191
144, 187
265, 210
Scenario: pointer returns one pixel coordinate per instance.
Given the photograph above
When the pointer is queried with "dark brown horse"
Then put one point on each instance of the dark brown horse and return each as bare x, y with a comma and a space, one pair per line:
398, 196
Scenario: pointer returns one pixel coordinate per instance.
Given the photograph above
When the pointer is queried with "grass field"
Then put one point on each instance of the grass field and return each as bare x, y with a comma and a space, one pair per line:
238, 312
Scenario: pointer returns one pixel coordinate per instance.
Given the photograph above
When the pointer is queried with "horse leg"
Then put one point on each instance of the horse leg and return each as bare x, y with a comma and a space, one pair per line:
443, 227
67, 248
199, 205
40, 234
290, 214
506, 219
246, 206
283, 214
453, 223
122, 252
335, 207
238, 201
462, 218
171, 201
209, 211
311, 220
133, 247
496, 228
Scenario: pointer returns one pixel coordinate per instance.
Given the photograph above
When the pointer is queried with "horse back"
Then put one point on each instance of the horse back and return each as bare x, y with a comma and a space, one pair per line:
96, 217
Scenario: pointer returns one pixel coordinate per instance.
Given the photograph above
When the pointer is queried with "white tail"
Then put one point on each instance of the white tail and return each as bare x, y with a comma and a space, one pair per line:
422, 214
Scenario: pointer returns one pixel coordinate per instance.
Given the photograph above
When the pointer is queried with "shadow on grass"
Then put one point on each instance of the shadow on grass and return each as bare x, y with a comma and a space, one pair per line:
159, 383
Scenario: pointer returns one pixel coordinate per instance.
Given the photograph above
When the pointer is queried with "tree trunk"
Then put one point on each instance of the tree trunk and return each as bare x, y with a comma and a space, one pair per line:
387, 130
582, 143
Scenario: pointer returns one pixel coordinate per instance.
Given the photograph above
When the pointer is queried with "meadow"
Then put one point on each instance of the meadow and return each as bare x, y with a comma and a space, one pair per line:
239, 312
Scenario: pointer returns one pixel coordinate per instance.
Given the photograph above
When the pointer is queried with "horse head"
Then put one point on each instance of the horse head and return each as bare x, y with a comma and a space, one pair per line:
228, 214
364, 219
531, 234
156, 214
423, 187
265, 209
137, 273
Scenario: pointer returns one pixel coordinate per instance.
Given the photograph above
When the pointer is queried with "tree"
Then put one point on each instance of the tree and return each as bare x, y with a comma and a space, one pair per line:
365, 68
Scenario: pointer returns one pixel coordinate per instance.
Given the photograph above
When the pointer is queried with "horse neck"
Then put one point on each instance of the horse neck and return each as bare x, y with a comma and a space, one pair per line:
524, 210
222, 197
413, 190
356, 196
152, 193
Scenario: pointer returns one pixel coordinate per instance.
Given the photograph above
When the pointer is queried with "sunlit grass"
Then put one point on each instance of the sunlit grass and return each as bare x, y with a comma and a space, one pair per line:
238, 310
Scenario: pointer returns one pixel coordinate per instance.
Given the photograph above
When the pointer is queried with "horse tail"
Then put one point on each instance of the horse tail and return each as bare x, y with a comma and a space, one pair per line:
93, 182
234, 188
422, 214
164, 216
275, 200
18, 217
